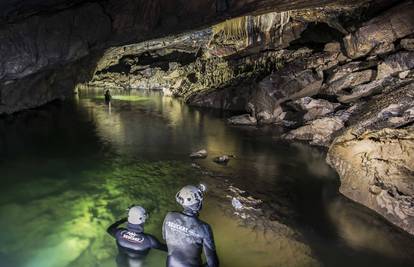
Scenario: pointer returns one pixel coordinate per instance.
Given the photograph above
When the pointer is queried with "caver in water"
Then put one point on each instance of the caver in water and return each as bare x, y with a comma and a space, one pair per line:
186, 235
133, 243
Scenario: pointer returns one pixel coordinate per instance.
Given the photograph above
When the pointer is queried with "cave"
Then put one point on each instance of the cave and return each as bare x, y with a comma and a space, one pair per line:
206, 133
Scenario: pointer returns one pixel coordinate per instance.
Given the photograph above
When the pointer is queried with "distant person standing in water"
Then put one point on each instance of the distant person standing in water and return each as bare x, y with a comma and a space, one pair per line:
108, 97
133, 243
186, 235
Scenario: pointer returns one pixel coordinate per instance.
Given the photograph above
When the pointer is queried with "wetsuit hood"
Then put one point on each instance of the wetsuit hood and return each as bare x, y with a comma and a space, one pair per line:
137, 215
138, 228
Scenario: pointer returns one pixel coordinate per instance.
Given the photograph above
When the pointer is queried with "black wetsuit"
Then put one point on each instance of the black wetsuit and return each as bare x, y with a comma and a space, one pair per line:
132, 242
186, 237
108, 98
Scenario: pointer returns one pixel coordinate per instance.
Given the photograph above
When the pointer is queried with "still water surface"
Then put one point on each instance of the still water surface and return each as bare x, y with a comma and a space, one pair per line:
67, 171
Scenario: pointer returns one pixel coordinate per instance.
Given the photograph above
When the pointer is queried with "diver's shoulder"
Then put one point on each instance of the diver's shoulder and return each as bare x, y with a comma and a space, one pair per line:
172, 214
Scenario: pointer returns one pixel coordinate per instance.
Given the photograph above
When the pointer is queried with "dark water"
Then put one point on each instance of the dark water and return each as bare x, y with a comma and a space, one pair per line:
68, 170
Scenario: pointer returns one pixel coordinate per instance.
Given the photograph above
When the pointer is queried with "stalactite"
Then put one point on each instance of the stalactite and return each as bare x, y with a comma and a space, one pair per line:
246, 28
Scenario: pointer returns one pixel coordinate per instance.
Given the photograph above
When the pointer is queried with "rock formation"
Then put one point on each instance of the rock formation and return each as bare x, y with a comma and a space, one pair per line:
377, 170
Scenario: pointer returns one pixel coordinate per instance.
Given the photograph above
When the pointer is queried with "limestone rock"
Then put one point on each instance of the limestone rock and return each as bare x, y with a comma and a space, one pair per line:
381, 32
387, 110
340, 72
318, 132
369, 89
376, 170
40, 42
234, 99
332, 47
291, 83
224, 159
407, 44
349, 81
245, 119
396, 63
201, 154
316, 108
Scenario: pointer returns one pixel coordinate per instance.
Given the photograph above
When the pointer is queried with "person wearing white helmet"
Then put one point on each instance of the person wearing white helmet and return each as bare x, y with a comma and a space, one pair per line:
133, 243
186, 235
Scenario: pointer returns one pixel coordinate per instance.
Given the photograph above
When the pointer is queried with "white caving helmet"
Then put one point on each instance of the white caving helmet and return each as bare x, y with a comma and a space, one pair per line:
137, 215
191, 196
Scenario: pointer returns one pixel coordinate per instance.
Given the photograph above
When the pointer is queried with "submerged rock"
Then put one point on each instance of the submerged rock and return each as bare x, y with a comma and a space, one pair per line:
377, 170
224, 159
201, 154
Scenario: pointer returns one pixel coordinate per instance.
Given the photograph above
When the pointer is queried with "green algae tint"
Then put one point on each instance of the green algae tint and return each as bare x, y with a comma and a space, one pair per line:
67, 171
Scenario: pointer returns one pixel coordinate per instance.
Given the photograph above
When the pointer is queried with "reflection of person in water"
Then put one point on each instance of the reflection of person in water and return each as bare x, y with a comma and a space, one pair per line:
133, 243
186, 235
108, 97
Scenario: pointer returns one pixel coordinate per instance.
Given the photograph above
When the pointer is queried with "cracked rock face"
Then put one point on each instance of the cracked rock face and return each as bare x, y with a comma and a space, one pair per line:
377, 170
377, 36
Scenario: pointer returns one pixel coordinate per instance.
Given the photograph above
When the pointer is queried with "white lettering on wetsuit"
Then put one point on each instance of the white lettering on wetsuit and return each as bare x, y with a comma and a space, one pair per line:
182, 229
130, 236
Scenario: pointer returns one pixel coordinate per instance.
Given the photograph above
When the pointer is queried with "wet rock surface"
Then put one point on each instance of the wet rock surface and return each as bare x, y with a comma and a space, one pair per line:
377, 170
317, 132
201, 154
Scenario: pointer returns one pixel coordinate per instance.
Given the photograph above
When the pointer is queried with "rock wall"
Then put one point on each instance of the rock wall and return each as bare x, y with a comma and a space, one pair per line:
377, 170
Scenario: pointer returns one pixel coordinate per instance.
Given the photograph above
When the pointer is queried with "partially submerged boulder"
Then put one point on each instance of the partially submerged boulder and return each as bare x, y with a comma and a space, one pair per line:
245, 119
224, 159
201, 154
377, 170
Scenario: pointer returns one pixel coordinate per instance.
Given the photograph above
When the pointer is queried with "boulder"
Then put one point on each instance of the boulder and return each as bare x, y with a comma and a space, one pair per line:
224, 159
201, 154
232, 98
332, 47
407, 44
292, 83
369, 89
349, 81
315, 108
340, 72
245, 119
396, 63
377, 170
377, 35
318, 132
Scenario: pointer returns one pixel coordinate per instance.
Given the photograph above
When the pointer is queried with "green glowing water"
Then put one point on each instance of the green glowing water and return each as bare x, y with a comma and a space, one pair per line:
69, 170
